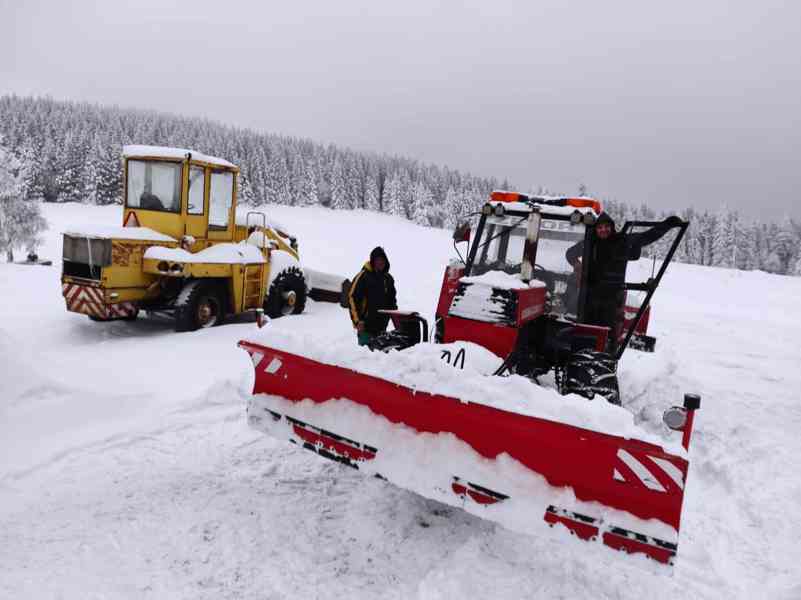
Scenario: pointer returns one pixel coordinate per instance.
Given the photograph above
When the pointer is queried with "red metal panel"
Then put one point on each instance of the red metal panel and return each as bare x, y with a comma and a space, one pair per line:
450, 283
498, 339
530, 304
565, 455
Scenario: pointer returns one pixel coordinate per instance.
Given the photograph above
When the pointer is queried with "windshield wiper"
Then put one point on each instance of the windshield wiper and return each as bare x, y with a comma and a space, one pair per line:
502, 231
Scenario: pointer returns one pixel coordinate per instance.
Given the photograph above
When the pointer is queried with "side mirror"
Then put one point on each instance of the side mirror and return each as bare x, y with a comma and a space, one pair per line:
462, 233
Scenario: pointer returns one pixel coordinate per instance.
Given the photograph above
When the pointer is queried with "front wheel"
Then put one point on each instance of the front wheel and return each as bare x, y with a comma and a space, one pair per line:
589, 373
287, 294
200, 305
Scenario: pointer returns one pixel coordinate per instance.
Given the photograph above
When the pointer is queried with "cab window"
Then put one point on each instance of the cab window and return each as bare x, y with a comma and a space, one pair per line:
221, 197
197, 190
154, 185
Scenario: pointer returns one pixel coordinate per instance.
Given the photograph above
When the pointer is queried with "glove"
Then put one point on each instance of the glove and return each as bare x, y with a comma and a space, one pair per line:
673, 221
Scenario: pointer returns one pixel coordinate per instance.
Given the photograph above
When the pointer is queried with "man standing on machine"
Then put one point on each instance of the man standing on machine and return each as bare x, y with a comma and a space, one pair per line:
606, 276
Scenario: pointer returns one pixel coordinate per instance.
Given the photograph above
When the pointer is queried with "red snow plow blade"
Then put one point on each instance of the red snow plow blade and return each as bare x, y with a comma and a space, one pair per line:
522, 471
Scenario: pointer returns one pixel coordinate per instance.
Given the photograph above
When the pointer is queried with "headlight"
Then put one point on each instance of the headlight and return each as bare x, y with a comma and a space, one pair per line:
499, 210
176, 268
163, 266
575, 218
486, 210
675, 417
589, 218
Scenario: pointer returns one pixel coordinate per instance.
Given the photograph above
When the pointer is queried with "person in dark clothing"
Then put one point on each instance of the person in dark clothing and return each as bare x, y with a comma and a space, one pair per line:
373, 289
606, 273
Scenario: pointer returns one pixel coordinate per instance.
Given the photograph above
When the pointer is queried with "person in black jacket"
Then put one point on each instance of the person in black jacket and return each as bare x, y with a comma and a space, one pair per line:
606, 274
373, 289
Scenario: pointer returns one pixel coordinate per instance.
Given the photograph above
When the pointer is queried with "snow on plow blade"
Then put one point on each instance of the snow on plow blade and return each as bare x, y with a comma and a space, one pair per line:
522, 471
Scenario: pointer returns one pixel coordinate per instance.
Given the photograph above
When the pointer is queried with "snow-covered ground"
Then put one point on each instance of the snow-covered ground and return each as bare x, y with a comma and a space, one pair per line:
127, 469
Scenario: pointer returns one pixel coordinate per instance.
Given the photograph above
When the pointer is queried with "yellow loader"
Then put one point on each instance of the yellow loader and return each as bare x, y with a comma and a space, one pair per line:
181, 251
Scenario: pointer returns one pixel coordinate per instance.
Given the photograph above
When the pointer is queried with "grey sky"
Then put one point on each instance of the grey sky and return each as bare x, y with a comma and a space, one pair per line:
671, 103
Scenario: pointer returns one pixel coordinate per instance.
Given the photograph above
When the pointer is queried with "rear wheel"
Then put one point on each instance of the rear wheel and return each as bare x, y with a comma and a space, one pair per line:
287, 294
200, 305
590, 373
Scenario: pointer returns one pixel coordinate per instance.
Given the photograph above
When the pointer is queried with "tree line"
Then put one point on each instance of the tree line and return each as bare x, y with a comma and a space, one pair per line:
70, 152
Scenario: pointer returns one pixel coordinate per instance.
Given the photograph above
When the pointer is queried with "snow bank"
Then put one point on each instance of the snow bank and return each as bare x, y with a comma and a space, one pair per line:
241, 253
421, 368
119, 233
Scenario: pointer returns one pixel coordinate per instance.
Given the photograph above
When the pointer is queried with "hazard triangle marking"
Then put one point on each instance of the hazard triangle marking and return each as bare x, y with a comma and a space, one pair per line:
131, 220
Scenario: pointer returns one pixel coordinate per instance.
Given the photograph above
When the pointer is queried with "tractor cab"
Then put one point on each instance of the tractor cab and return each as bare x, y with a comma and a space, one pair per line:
180, 193
528, 238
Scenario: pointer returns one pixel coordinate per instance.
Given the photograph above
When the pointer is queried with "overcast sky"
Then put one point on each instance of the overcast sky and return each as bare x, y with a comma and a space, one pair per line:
670, 103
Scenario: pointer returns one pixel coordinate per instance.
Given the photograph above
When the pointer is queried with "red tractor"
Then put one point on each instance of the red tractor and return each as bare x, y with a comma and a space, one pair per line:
426, 418
517, 295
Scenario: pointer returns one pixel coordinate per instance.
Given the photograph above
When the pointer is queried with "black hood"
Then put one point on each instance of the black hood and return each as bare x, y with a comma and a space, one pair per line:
379, 251
605, 218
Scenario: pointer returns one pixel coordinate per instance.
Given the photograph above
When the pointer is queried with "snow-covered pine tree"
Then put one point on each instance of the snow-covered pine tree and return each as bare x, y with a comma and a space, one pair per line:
339, 199
785, 246
422, 204
723, 242
21, 221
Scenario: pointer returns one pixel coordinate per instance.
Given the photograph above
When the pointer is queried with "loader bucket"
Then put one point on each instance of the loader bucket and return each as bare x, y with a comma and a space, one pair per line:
525, 472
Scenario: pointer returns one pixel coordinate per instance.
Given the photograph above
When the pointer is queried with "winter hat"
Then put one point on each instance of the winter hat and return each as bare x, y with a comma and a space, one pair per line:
605, 218
379, 251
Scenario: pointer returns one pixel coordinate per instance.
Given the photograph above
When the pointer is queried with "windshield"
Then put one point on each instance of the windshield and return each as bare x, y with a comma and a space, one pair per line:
501, 245
551, 266
501, 249
154, 185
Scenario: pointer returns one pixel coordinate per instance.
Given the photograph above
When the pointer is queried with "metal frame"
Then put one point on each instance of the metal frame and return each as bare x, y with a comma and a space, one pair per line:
649, 286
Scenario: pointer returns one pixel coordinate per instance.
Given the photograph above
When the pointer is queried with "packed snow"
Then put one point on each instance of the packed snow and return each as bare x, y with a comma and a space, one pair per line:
241, 253
422, 369
502, 281
138, 151
127, 468
118, 232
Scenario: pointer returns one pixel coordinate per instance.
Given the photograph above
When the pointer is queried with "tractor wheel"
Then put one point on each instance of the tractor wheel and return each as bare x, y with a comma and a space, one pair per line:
287, 294
590, 373
200, 305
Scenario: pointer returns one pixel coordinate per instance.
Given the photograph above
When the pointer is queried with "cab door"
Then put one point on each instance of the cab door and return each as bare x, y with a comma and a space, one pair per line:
197, 213
221, 205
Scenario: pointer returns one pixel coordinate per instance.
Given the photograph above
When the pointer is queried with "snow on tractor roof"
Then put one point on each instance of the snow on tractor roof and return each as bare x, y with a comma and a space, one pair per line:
136, 151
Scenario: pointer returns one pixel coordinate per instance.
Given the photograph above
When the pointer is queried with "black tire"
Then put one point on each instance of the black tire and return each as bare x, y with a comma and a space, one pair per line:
344, 295
287, 294
202, 305
590, 373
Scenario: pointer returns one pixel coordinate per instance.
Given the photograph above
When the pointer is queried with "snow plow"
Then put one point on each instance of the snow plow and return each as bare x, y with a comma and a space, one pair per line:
182, 250
459, 420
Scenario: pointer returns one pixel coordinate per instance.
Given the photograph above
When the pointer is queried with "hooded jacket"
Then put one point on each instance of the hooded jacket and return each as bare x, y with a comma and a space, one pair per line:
371, 291
609, 257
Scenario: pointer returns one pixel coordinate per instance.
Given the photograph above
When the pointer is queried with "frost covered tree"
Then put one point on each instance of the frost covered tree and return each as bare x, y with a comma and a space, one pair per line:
723, 242
393, 196
71, 151
21, 221
421, 207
